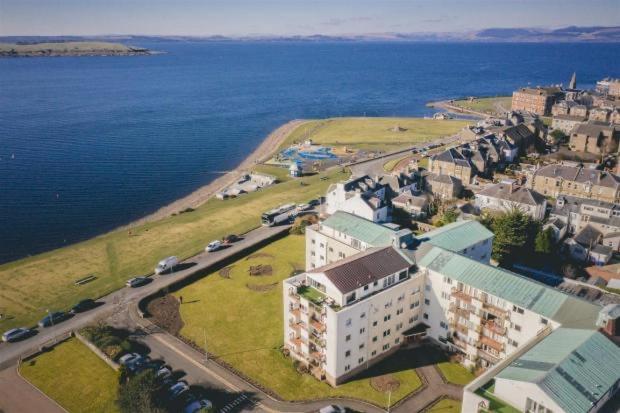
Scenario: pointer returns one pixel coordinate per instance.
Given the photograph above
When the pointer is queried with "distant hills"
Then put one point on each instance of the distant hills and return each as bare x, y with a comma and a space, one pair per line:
514, 35
68, 48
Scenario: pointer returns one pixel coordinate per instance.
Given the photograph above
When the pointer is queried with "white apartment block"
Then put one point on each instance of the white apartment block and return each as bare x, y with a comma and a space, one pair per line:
361, 196
343, 316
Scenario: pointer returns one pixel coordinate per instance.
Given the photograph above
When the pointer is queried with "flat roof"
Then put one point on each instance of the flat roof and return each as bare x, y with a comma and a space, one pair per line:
457, 236
359, 228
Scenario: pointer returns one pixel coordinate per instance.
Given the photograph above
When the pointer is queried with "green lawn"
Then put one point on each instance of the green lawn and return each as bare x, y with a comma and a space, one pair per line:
490, 106
455, 373
30, 286
280, 173
391, 164
244, 327
374, 133
496, 405
446, 406
74, 377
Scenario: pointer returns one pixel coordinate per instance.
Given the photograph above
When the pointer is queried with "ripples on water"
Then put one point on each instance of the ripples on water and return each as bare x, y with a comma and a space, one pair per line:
101, 141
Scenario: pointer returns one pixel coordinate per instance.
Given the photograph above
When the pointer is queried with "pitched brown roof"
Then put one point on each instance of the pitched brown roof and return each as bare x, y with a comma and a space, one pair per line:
364, 268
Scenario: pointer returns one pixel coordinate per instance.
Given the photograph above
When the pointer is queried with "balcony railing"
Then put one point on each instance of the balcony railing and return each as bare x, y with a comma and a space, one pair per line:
494, 327
491, 358
460, 295
494, 344
317, 325
496, 311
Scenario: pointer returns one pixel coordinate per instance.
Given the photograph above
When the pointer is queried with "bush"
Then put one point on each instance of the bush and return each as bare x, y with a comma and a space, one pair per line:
300, 223
140, 394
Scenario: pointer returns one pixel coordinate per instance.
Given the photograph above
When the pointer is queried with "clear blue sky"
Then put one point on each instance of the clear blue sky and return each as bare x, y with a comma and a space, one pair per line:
243, 17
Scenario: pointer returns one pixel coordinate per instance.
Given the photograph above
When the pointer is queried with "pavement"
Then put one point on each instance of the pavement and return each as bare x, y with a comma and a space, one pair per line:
19, 396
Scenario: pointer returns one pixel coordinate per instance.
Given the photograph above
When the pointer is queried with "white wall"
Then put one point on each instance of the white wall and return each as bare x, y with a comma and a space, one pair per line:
517, 392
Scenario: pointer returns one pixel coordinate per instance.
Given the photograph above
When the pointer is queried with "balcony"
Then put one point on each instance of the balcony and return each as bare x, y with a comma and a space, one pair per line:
317, 325
494, 327
296, 312
494, 344
460, 295
496, 311
297, 325
318, 341
311, 294
318, 356
491, 358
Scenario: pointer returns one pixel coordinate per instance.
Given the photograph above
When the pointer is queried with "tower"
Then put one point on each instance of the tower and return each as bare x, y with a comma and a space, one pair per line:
573, 81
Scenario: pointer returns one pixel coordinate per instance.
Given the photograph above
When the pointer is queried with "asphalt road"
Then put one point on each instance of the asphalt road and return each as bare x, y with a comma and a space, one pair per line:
119, 300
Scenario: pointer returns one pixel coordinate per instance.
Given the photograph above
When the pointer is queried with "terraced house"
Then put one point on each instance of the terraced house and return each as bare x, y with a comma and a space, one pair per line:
343, 316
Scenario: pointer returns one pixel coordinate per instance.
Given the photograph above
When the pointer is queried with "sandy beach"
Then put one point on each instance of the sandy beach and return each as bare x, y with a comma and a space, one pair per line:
264, 151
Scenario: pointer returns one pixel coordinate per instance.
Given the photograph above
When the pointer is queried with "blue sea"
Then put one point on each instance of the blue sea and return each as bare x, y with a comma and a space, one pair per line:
91, 143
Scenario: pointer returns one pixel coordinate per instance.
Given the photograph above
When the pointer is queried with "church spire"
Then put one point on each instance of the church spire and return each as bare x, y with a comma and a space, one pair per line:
573, 81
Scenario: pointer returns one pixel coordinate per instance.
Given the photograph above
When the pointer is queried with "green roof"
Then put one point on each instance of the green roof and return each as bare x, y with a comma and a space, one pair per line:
373, 234
457, 236
526, 293
574, 367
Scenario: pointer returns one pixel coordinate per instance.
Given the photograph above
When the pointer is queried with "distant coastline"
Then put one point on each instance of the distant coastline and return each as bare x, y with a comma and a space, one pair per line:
70, 48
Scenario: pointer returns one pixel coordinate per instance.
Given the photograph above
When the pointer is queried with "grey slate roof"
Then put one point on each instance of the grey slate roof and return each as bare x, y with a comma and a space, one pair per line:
444, 179
520, 195
593, 128
580, 175
453, 156
588, 236
366, 267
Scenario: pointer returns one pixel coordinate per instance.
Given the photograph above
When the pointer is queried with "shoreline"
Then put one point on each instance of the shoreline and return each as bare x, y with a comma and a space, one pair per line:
201, 195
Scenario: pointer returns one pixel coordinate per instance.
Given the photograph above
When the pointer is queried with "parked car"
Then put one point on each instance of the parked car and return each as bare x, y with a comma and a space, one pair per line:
138, 364
196, 405
303, 207
166, 265
53, 318
177, 389
137, 282
84, 305
231, 238
163, 373
16, 334
128, 358
314, 202
333, 408
213, 246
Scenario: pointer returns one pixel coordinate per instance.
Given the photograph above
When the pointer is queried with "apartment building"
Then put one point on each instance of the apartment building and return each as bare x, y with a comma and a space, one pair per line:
555, 180
577, 213
566, 123
600, 138
535, 100
361, 196
505, 196
345, 316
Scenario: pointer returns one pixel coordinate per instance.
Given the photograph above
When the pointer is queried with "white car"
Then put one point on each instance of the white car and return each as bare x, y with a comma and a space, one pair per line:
163, 373
128, 358
214, 246
303, 207
333, 409
166, 265
177, 389
196, 405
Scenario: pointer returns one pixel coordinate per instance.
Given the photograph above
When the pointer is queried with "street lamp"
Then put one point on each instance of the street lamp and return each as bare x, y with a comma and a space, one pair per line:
206, 351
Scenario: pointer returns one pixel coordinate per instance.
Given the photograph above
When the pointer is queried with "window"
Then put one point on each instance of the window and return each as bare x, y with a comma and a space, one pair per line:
517, 327
361, 346
399, 311
360, 360
362, 330
321, 245
348, 337
427, 301
445, 295
389, 280
447, 280
443, 325
341, 255
366, 287
513, 343
388, 304
427, 287
363, 315
374, 352
387, 317
313, 253
374, 323
544, 321
425, 316
313, 241
399, 326
322, 258
397, 340
386, 346
518, 310
331, 249
347, 367
348, 322
356, 244
402, 275
401, 297
374, 339
415, 290
386, 333
351, 297
347, 353
375, 283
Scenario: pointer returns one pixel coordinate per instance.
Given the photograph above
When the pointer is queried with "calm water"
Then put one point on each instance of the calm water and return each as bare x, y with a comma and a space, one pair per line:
88, 144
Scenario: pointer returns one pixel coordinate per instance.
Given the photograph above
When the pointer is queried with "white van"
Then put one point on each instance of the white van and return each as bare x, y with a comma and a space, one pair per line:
166, 265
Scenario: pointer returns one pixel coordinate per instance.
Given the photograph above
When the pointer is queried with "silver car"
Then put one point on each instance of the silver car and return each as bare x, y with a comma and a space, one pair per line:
16, 334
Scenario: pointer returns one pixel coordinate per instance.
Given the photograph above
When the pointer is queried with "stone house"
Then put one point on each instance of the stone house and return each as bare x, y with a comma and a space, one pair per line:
555, 180
453, 163
443, 186
566, 123
505, 196
595, 137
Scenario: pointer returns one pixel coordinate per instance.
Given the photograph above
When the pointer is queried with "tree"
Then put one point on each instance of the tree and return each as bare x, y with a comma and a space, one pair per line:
449, 216
557, 136
140, 394
514, 235
543, 243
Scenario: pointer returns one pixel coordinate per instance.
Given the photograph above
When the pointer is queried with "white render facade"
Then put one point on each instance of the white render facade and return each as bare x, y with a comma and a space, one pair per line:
360, 196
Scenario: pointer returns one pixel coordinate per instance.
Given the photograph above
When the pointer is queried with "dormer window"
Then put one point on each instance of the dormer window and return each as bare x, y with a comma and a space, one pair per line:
351, 297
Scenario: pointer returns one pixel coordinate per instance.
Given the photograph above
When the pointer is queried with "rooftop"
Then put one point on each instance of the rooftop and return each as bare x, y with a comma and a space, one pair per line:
526, 293
579, 174
457, 236
574, 367
359, 228
519, 195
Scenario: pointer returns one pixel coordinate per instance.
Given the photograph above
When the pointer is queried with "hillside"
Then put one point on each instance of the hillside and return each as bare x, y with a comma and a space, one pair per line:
69, 49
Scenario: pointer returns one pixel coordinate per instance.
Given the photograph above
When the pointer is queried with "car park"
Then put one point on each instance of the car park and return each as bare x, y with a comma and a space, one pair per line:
197, 405
16, 334
84, 305
137, 282
166, 265
53, 318
213, 246
177, 389
137, 364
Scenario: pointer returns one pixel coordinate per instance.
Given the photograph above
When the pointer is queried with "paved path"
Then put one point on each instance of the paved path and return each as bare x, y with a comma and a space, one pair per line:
19, 396
119, 300
435, 388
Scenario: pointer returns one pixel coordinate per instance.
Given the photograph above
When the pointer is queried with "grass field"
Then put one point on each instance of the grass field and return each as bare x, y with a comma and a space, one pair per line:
455, 373
446, 406
490, 106
30, 286
74, 377
282, 174
244, 327
391, 164
374, 133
